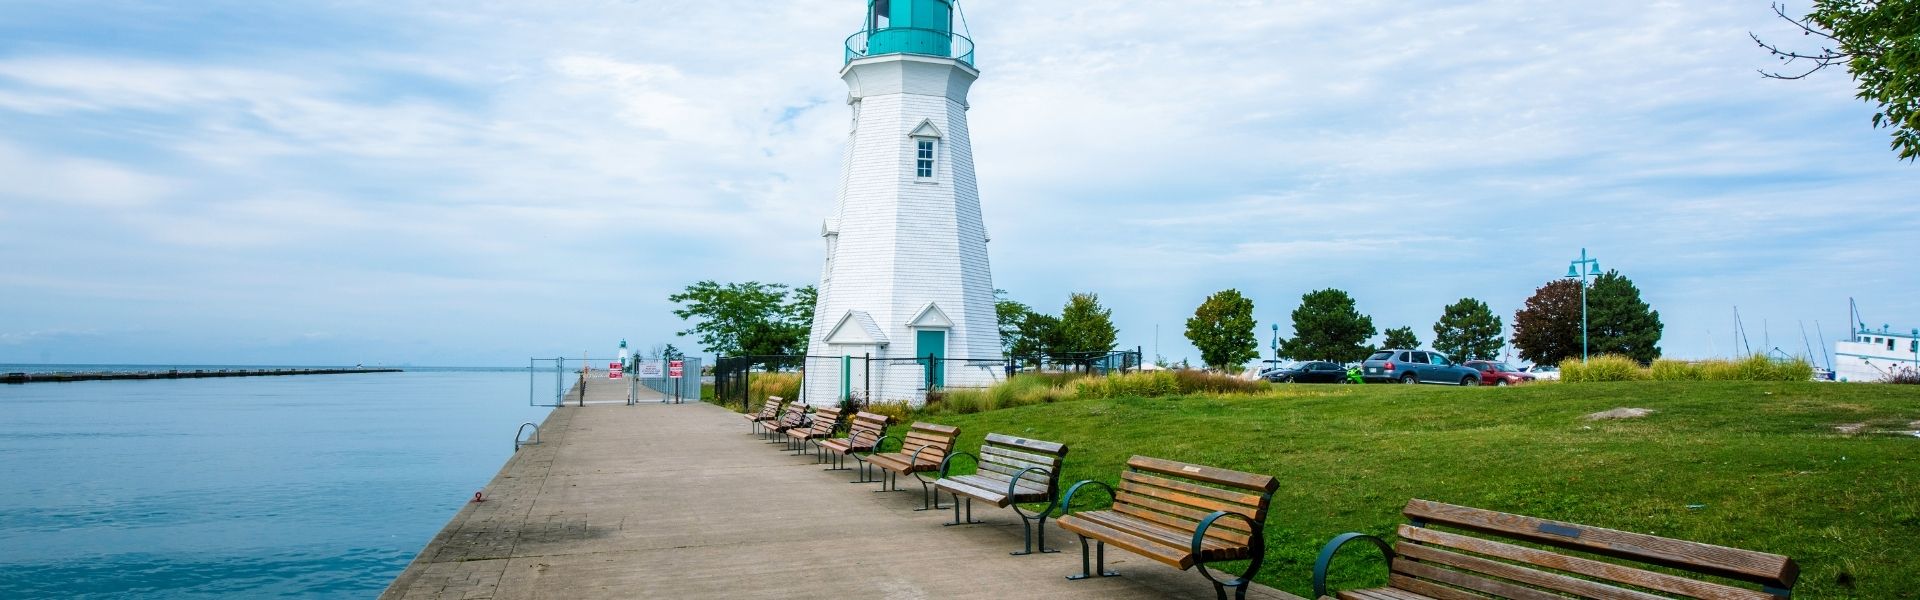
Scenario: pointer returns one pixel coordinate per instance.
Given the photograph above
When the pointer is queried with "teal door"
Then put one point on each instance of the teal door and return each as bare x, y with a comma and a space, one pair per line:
932, 342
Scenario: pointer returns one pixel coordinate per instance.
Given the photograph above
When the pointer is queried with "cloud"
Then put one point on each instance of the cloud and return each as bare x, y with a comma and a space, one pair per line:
503, 175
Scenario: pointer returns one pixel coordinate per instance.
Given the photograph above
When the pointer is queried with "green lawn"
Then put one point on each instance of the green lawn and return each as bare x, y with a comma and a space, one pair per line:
1761, 462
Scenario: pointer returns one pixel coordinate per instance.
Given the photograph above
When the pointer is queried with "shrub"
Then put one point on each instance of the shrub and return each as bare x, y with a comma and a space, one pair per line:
960, 401
1667, 369
1198, 382
899, 411
1903, 376
1033, 388
1606, 367
1146, 384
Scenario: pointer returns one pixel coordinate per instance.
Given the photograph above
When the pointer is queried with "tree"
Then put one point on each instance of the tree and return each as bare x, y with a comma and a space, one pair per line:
1468, 330
1547, 329
1039, 335
1327, 327
1085, 326
1008, 314
1619, 322
1222, 328
1401, 337
1878, 41
746, 318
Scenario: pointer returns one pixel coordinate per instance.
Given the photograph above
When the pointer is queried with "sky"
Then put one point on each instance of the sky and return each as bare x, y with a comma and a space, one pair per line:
477, 183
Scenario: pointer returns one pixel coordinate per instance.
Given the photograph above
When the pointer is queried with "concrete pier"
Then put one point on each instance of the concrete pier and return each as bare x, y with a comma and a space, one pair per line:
678, 501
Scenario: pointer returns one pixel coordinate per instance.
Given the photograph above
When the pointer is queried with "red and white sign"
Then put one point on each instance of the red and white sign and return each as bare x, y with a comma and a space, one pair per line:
613, 370
676, 368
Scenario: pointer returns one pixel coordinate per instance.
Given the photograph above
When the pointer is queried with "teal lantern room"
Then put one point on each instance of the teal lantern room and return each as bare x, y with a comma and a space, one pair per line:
922, 27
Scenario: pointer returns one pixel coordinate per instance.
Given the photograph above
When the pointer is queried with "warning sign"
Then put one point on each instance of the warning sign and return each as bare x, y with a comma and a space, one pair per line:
613, 370
677, 368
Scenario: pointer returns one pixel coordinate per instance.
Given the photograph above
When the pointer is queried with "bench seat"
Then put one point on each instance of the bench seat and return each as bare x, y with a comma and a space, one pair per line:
1168, 545
992, 491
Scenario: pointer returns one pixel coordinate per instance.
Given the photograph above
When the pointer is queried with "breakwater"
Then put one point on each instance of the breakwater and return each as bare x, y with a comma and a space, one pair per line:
23, 377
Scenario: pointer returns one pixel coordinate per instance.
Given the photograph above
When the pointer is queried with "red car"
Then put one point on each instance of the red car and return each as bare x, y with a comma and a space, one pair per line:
1497, 373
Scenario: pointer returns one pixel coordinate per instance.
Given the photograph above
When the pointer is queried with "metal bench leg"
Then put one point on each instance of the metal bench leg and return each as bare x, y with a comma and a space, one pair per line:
926, 493
1101, 552
1031, 523
888, 479
956, 513
866, 470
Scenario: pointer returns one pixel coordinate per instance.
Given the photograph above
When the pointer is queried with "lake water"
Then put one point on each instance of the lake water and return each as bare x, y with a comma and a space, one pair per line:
319, 486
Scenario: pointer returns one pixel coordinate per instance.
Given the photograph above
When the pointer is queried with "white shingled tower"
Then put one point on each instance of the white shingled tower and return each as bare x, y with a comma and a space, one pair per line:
906, 274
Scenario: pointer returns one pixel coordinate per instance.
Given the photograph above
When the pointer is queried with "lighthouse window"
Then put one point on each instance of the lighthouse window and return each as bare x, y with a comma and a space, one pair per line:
923, 159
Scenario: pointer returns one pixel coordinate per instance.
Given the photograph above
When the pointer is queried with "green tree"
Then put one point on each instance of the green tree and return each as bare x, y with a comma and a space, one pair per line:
1039, 335
1085, 326
1878, 42
1619, 322
1401, 337
1222, 328
1468, 330
1326, 326
746, 318
1008, 314
1547, 329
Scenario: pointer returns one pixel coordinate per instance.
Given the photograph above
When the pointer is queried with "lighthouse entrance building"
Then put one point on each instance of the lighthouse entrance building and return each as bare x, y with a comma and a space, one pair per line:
906, 280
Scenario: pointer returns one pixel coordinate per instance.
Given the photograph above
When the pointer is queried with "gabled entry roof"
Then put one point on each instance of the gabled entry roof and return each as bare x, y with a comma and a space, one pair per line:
930, 317
856, 328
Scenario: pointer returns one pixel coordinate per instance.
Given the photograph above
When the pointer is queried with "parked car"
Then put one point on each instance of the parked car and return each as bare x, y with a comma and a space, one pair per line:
1498, 373
1309, 372
1544, 372
1416, 366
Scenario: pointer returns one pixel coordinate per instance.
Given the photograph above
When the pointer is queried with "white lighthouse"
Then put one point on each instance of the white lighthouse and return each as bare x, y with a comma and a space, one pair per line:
906, 280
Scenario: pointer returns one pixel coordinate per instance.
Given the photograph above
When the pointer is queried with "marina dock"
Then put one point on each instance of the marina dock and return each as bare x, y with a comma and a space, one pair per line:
679, 501
65, 376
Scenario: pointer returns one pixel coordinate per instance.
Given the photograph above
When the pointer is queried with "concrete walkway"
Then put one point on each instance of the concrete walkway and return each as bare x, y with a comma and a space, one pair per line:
675, 501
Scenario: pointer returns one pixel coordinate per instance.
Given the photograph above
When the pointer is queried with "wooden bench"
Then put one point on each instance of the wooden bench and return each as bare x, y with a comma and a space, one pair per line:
1431, 563
1008, 471
794, 416
821, 425
863, 433
769, 411
922, 451
1166, 511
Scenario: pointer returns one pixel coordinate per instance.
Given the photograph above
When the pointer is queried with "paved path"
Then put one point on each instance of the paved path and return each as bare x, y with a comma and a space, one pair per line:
673, 501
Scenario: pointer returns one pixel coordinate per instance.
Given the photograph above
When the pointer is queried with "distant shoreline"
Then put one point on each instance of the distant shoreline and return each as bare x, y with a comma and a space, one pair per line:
20, 377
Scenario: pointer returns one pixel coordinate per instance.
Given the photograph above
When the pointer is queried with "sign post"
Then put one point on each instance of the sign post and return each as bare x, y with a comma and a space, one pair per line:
676, 369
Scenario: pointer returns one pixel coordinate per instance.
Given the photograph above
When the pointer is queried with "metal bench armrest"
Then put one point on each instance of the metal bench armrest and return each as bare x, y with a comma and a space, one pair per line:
1327, 552
1014, 486
948, 461
878, 444
1066, 503
1256, 546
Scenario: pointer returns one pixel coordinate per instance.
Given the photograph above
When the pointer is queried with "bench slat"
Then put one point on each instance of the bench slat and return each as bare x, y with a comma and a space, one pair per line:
1431, 589
989, 454
1037, 460
1224, 531
1266, 484
1172, 536
1648, 579
1005, 474
1236, 497
1527, 575
1744, 565
1040, 446
1471, 581
1178, 559
1189, 500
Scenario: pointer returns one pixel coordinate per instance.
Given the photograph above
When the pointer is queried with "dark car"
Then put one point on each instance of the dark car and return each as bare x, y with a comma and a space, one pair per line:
1309, 372
1498, 373
1416, 366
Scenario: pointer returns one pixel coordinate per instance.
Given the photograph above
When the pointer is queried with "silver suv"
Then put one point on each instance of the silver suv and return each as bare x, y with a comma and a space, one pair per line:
1416, 366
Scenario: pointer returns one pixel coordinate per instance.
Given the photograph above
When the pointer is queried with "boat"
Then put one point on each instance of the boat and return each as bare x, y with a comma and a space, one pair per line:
1874, 354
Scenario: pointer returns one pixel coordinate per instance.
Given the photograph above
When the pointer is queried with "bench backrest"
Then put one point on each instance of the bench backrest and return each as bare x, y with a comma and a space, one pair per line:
771, 408
1003, 456
936, 439
1176, 494
866, 429
795, 415
825, 420
1430, 557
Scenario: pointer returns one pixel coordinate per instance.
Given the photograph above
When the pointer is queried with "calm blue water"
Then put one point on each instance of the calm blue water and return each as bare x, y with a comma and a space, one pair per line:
300, 486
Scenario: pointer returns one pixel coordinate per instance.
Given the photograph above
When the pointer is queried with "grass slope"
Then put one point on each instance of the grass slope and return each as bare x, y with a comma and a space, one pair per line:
1763, 459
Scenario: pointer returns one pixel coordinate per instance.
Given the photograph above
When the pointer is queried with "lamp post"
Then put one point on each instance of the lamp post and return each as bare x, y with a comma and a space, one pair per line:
1276, 345
1581, 269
